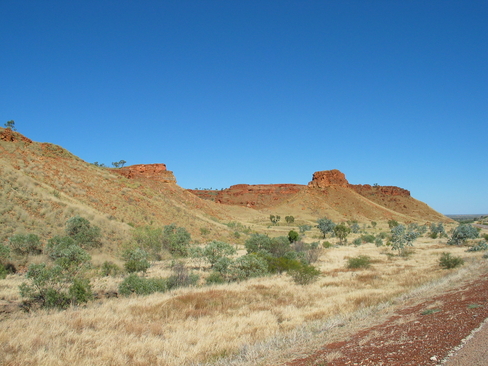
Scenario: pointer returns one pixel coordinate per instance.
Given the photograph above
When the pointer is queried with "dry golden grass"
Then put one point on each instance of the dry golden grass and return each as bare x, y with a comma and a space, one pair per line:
238, 323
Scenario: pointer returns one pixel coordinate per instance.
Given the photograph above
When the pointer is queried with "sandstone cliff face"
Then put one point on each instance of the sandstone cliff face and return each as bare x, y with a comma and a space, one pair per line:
327, 178
254, 196
155, 172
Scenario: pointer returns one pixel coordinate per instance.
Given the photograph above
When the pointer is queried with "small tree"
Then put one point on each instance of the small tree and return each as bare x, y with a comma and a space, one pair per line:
401, 238
462, 233
274, 219
176, 240
437, 230
325, 225
392, 223
247, 266
355, 227
62, 284
289, 219
303, 228
82, 232
25, 244
304, 274
293, 236
136, 260
342, 231
11, 125
217, 250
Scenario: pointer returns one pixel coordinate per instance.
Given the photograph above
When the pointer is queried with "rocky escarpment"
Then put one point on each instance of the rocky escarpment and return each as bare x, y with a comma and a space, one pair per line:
266, 195
328, 190
334, 177
254, 196
154, 172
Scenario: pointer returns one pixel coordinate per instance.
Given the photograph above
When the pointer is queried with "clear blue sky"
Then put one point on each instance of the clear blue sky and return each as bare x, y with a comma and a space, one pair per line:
227, 92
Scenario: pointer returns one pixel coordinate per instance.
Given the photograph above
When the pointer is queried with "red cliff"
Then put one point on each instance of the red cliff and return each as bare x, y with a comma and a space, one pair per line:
155, 172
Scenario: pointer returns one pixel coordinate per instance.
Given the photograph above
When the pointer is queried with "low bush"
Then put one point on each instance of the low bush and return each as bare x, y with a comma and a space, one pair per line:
54, 287
83, 233
305, 274
133, 284
25, 244
361, 261
3, 272
447, 261
181, 277
462, 233
481, 245
109, 269
136, 260
357, 241
378, 242
327, 244
368, 238
282, 264
215, 278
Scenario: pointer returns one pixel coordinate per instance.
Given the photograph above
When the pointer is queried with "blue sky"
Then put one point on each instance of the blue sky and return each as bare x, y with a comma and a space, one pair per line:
227, 92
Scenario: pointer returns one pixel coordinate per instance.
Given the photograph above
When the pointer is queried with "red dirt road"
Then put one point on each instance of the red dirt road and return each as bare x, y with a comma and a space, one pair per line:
420, 334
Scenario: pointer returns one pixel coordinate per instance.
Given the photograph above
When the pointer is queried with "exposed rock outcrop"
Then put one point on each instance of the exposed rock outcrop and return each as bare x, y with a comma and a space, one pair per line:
331, 189
11, 136
155, 172
254, 196
327, 178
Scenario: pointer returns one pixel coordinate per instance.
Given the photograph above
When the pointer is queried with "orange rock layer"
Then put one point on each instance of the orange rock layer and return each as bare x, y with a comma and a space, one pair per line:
155, 172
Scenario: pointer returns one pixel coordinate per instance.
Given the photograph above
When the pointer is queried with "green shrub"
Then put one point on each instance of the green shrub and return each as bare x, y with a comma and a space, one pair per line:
67, 254
303, 228
25, 244
149, 239
447, 261
176, 240
293, 236
214, 278
462, 233
361, 261
247, 266
4, 253
304, 274
368, 238
54, 287
357, 241
109, 269
136, 260
392, 223
378, 242
216, 250
3, 272
481, 245
83, 233
133, 284
327, 244
282, 264
342, 231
